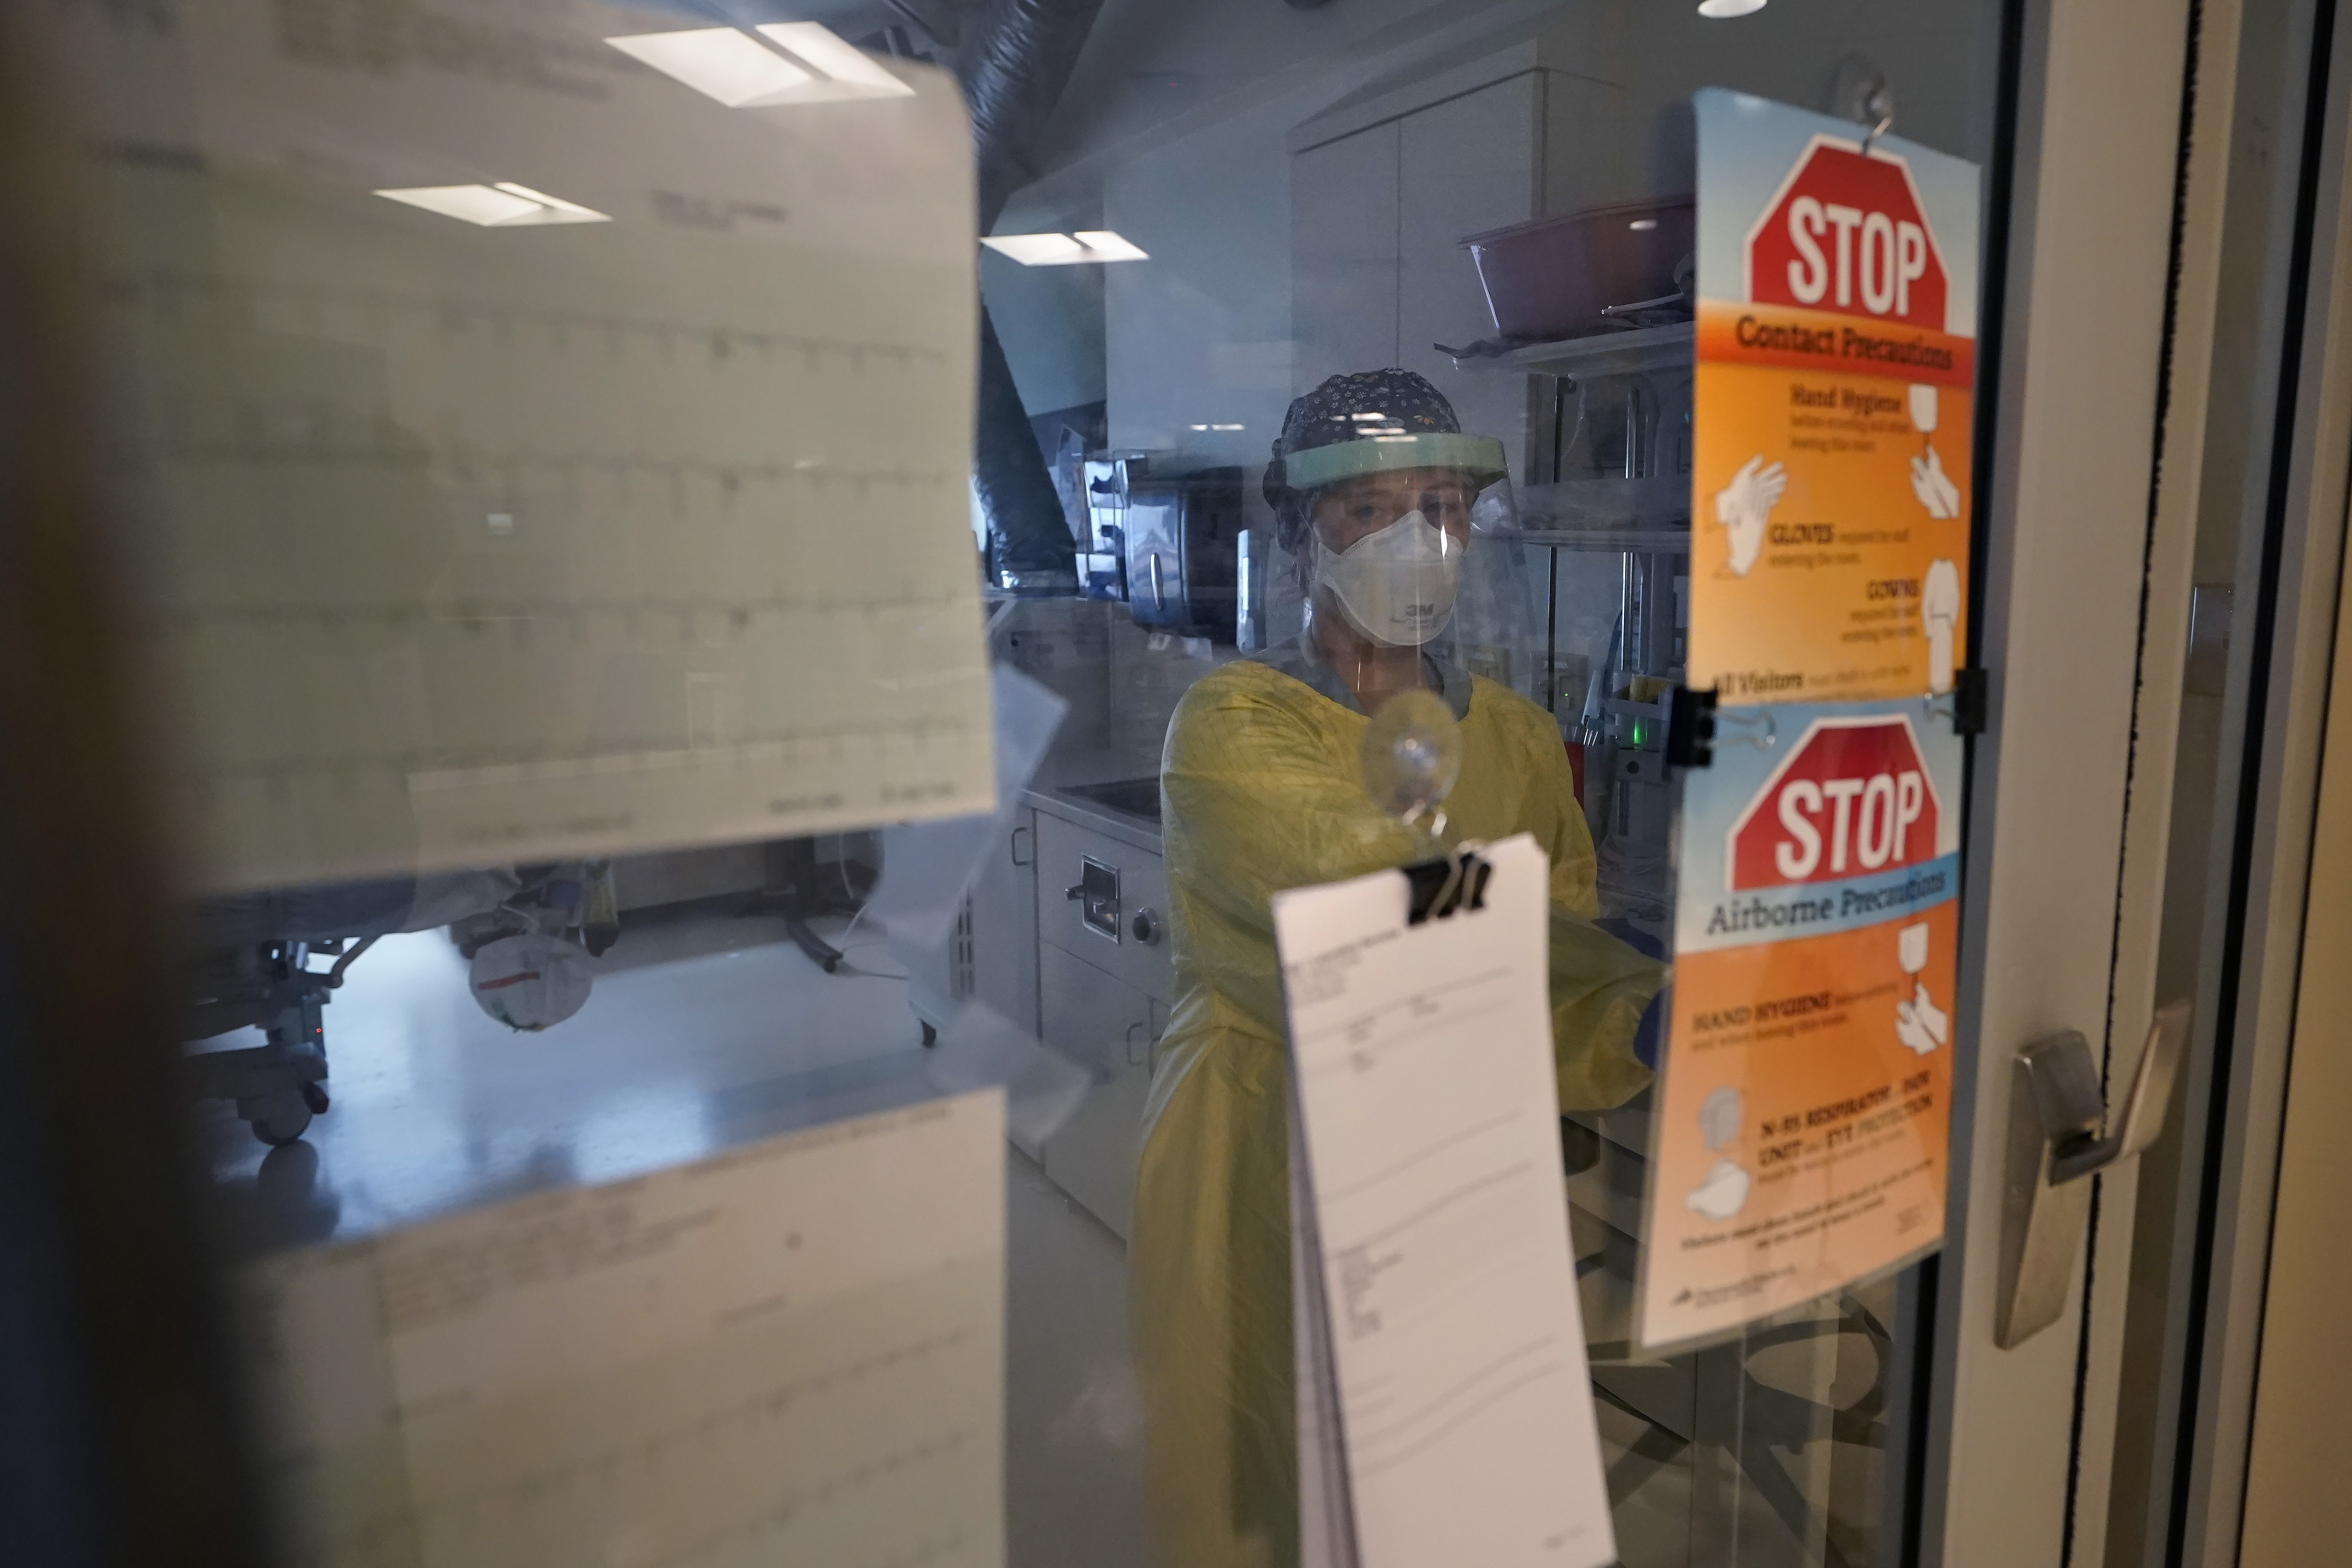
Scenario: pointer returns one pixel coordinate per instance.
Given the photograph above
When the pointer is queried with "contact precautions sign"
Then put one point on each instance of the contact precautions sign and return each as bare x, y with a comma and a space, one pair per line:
1835, 360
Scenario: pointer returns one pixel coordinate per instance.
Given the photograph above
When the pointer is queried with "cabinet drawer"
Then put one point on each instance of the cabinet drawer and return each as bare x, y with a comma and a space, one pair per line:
1093, 1018
1118, 920
1004, 924
1106, 1026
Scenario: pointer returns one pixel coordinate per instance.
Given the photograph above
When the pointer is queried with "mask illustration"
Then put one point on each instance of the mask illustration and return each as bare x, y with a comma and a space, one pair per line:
1396, 586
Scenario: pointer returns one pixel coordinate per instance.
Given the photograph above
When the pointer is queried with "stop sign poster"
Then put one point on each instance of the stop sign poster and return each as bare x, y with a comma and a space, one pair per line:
1800, 1139
1831, 408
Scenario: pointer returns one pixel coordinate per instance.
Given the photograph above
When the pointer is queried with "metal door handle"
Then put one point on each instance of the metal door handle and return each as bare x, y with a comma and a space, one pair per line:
2060, 1132
1015, 846
1144, 1061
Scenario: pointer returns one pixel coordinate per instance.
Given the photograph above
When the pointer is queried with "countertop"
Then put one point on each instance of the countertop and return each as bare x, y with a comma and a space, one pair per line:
1048, 792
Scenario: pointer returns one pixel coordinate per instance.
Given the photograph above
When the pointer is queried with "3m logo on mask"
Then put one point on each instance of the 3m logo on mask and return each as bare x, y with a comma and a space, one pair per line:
1846, 233
1853, 798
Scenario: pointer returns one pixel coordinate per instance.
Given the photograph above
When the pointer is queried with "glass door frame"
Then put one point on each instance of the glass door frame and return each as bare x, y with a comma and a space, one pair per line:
2103, 239
2290, 527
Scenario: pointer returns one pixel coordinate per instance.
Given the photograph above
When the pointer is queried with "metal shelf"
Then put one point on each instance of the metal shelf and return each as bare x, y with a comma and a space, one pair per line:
1643, 351
1614, 540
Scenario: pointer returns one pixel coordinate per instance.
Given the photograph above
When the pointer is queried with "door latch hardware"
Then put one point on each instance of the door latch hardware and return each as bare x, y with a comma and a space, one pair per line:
2059, 1133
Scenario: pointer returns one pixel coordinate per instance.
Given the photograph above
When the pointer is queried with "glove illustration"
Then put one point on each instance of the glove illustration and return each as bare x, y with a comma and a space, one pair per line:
1743, 505
1935, 487
1920, 1024
1932, 1019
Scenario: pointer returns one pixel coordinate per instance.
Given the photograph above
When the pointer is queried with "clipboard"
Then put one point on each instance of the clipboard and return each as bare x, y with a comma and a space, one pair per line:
1444, 1406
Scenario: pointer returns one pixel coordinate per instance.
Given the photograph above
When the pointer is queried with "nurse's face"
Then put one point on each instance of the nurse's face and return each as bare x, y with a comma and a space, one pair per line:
1354, 508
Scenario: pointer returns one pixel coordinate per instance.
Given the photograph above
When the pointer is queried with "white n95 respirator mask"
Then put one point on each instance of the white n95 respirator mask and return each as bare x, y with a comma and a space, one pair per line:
1398, 585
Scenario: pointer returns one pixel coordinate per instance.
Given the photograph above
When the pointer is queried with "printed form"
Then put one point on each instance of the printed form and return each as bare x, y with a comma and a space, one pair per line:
1438, 1319
790, 1353
481, 541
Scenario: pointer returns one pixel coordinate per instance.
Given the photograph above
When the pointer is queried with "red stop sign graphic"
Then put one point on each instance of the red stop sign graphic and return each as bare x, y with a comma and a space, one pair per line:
1846, 233
1852, 799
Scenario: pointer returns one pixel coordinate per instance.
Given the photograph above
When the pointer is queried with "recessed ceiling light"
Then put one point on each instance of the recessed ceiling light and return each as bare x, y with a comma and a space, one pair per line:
739, 71
502, 206
1063, 250
1102, 244
1720, 9
724, 63
849, 70
1036, 249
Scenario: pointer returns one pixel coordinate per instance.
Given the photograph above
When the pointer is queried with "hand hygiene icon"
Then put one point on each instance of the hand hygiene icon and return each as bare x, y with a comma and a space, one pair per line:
1743, 507
1919, 1023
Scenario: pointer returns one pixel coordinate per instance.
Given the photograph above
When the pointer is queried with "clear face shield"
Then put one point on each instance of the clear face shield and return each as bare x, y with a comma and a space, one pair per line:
1401, 550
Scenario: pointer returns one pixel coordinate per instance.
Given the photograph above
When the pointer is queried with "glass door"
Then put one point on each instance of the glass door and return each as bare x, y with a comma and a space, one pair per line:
730, 1012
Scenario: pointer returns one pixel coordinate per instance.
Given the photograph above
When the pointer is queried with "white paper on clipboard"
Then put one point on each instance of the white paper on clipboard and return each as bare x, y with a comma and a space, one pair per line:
478, 544
791, 1352
1444, 1407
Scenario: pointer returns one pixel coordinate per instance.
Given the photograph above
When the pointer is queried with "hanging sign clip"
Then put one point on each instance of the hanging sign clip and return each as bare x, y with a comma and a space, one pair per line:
1690, 728
1968, 703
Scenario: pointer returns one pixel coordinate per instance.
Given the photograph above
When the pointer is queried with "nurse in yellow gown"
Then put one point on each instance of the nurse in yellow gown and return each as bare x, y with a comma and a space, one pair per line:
1374, 484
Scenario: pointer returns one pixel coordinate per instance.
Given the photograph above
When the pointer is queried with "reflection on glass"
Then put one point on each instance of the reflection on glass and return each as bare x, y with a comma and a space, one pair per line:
503, 205
810, 65
474, 533
1064, 250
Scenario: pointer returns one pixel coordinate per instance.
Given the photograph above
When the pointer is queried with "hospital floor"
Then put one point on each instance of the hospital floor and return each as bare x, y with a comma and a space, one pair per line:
706, 1031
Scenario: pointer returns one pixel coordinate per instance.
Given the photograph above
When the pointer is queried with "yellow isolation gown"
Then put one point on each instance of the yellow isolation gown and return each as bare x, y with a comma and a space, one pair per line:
1260, 792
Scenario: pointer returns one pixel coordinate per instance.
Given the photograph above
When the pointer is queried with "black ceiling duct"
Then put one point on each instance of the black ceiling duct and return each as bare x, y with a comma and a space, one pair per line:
1014, 58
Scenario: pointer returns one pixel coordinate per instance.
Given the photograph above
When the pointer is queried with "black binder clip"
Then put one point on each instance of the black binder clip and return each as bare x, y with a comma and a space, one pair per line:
1971, 701
1446, 885
1690, 728
1968, 703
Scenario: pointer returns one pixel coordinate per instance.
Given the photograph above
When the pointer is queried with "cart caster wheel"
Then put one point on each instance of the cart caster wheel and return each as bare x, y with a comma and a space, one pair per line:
282, 1128
314, 1095
930, 1036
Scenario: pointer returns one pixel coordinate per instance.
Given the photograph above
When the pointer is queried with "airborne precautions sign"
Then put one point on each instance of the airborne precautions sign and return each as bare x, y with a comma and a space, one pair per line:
1800, 1143
1832, 408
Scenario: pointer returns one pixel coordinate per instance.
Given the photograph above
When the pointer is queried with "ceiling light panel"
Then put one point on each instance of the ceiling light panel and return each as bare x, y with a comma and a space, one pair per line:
1063, 250
724, 63
1102, 244
1036, 249
502, 206
741, 71
848, 71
